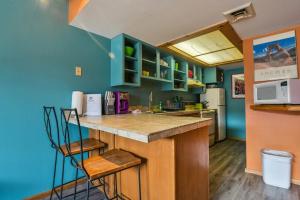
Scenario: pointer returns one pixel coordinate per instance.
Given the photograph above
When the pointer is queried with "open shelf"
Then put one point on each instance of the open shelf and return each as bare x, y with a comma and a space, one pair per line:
191, 69
131, 63
156, 79
149, 61
149, 54
149, 69
165, 67
180, 80
179, 71
180, 68
180, 89
130, 58
272, 107
131, 70
165, 80
149, 77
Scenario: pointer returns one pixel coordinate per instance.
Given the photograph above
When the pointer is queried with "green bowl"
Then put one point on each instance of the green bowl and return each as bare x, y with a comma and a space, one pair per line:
129, 51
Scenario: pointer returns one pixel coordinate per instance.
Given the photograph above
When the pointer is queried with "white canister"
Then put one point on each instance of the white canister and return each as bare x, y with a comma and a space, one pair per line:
77, 101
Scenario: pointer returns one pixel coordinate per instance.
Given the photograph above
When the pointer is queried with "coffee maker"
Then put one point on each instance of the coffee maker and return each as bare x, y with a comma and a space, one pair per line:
122, 102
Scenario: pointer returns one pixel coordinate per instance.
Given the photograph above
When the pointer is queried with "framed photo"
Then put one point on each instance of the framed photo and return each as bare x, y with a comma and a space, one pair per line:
275, 57
238, 86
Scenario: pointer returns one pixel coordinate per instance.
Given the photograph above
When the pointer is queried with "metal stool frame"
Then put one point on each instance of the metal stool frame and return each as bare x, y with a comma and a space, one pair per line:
52, 132
66, 115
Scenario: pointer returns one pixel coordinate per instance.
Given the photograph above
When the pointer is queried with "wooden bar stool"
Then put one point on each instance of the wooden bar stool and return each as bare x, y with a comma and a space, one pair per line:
94, 168
53, 132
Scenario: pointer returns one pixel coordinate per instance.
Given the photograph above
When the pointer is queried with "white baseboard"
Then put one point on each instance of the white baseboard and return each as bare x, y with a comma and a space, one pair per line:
250, 171
259, 173
236, 138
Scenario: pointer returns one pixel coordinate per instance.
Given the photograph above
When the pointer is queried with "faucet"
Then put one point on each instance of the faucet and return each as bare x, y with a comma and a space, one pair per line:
150, 99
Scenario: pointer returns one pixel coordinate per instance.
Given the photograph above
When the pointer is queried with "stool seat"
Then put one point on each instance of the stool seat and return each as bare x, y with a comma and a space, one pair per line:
88, 144
110, 162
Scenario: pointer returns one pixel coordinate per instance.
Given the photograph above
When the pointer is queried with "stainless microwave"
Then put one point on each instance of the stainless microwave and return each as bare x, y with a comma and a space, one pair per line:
277, 92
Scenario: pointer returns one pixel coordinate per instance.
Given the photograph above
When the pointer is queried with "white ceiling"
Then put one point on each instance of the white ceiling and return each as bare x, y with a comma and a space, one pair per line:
159, 21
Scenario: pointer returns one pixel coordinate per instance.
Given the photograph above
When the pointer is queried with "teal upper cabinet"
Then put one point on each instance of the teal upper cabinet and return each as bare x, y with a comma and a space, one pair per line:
213, 75
126, 62
195, 72
179, 75
149, 62
195, 84
134, 60
156, 65
165, 67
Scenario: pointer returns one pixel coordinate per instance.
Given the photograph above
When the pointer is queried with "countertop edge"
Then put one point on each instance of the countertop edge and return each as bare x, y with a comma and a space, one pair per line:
121, 133
144, 138
179, 130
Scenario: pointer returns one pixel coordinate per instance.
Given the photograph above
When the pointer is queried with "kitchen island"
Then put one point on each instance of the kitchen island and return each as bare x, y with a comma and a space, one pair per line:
175, 151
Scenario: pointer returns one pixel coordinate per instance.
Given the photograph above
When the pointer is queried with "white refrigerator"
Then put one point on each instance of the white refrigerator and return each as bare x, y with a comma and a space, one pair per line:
216, 100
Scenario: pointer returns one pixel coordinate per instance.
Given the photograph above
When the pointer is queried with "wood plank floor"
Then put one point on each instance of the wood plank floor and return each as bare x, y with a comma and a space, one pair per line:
228, 180
95, 194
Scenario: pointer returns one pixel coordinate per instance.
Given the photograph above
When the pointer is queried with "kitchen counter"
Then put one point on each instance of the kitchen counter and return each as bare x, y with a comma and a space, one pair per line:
175, 150
144, 127
186, 112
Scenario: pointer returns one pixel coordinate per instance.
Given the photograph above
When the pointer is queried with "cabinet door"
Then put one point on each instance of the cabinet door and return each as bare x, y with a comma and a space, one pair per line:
213, 75
209, 75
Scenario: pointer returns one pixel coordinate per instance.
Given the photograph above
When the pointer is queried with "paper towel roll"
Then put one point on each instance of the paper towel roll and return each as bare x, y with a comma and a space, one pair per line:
77, 101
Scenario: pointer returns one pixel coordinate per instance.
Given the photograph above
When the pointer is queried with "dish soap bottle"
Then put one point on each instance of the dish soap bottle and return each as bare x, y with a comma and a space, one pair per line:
160, 106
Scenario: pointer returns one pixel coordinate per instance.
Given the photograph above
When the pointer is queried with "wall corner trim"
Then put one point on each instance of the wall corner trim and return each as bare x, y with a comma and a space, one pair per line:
75, 7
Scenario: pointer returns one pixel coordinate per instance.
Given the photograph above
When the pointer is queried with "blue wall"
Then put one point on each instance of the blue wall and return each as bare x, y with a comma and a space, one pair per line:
38, 54
235, 109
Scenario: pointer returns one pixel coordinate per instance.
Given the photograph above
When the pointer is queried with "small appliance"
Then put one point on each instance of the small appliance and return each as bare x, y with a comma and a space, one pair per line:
109, 103
277, 92
122, 102
77, 101
92, 105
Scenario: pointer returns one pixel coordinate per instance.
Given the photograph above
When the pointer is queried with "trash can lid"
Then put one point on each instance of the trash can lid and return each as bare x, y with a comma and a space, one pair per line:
277, 153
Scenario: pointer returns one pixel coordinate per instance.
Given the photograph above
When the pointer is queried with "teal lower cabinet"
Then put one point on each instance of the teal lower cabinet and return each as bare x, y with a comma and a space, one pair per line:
213, 75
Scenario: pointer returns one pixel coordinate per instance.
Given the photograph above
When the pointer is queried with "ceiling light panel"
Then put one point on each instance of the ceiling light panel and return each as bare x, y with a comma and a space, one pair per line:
221, 56
210, 42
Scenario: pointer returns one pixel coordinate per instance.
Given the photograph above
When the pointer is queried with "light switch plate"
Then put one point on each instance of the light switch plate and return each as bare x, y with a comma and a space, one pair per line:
78, 71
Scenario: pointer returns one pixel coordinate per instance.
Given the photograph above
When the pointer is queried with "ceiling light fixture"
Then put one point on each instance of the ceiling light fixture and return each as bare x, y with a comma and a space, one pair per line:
215, 45
211, 48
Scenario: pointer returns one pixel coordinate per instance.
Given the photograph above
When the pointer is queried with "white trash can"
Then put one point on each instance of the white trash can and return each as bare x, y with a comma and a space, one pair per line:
277, 166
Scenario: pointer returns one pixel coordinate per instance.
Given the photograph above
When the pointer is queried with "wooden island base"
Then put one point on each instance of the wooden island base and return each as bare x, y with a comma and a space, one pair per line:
175, 168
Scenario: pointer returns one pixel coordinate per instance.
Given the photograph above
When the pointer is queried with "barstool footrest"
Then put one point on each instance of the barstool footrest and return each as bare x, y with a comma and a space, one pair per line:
77, 192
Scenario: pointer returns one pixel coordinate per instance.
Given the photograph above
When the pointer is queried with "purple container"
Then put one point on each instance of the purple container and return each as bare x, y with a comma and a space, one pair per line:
122, 102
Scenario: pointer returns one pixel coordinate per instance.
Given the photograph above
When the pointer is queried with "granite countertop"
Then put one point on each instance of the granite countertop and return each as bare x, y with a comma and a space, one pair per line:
143, 127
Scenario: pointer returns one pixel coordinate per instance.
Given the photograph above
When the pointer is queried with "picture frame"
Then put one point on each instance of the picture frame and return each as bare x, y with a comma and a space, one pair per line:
275, 57
238, 86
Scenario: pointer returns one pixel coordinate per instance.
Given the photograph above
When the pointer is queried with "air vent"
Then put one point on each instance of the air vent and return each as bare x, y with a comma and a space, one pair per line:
240, 13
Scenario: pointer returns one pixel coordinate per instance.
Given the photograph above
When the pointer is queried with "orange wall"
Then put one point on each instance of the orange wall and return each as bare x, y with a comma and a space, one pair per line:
274, 130
75, 6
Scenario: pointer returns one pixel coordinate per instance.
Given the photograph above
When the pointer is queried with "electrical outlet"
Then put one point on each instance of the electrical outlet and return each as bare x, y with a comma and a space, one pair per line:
78, 71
